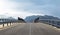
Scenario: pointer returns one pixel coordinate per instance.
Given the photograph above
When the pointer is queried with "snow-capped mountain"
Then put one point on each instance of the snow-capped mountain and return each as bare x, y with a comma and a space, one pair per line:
32, 18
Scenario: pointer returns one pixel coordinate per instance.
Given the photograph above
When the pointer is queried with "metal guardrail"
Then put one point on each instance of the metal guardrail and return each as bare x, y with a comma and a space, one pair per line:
10, 22
52, 22
3, 23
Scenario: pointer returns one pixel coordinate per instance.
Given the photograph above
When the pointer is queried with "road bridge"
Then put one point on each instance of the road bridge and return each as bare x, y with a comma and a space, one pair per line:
31, 29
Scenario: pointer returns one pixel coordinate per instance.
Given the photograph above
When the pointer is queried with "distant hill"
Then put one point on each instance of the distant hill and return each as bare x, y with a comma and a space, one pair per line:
32, 18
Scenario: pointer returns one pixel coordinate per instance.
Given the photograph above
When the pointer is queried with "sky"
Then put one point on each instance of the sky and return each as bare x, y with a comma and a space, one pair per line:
23, 8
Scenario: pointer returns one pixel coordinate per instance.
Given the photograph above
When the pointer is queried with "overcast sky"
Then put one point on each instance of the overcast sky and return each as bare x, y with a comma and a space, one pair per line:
23, 8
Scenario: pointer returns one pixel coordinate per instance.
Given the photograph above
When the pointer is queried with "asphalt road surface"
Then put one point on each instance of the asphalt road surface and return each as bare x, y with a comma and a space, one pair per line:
31, 29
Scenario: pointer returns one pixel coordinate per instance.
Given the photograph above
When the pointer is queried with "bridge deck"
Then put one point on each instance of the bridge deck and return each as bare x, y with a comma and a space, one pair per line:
31, 29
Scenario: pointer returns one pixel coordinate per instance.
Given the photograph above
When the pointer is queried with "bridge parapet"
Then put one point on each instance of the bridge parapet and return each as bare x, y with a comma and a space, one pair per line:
51, 22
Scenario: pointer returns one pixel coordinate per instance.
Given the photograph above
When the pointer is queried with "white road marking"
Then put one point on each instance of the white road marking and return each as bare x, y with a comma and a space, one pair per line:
30, 29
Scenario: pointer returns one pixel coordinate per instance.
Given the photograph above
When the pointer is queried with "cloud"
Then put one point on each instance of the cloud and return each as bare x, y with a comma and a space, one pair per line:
24, 8
7, 8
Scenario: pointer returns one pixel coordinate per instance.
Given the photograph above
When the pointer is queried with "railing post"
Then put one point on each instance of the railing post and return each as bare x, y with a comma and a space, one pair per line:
7, 24
10, 23
3, 24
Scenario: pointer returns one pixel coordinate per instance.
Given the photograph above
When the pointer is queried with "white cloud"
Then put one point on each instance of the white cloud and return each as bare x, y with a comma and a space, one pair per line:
7, 8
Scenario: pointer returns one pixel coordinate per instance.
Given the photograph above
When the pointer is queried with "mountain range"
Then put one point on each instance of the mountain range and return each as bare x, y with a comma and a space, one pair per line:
33, 17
